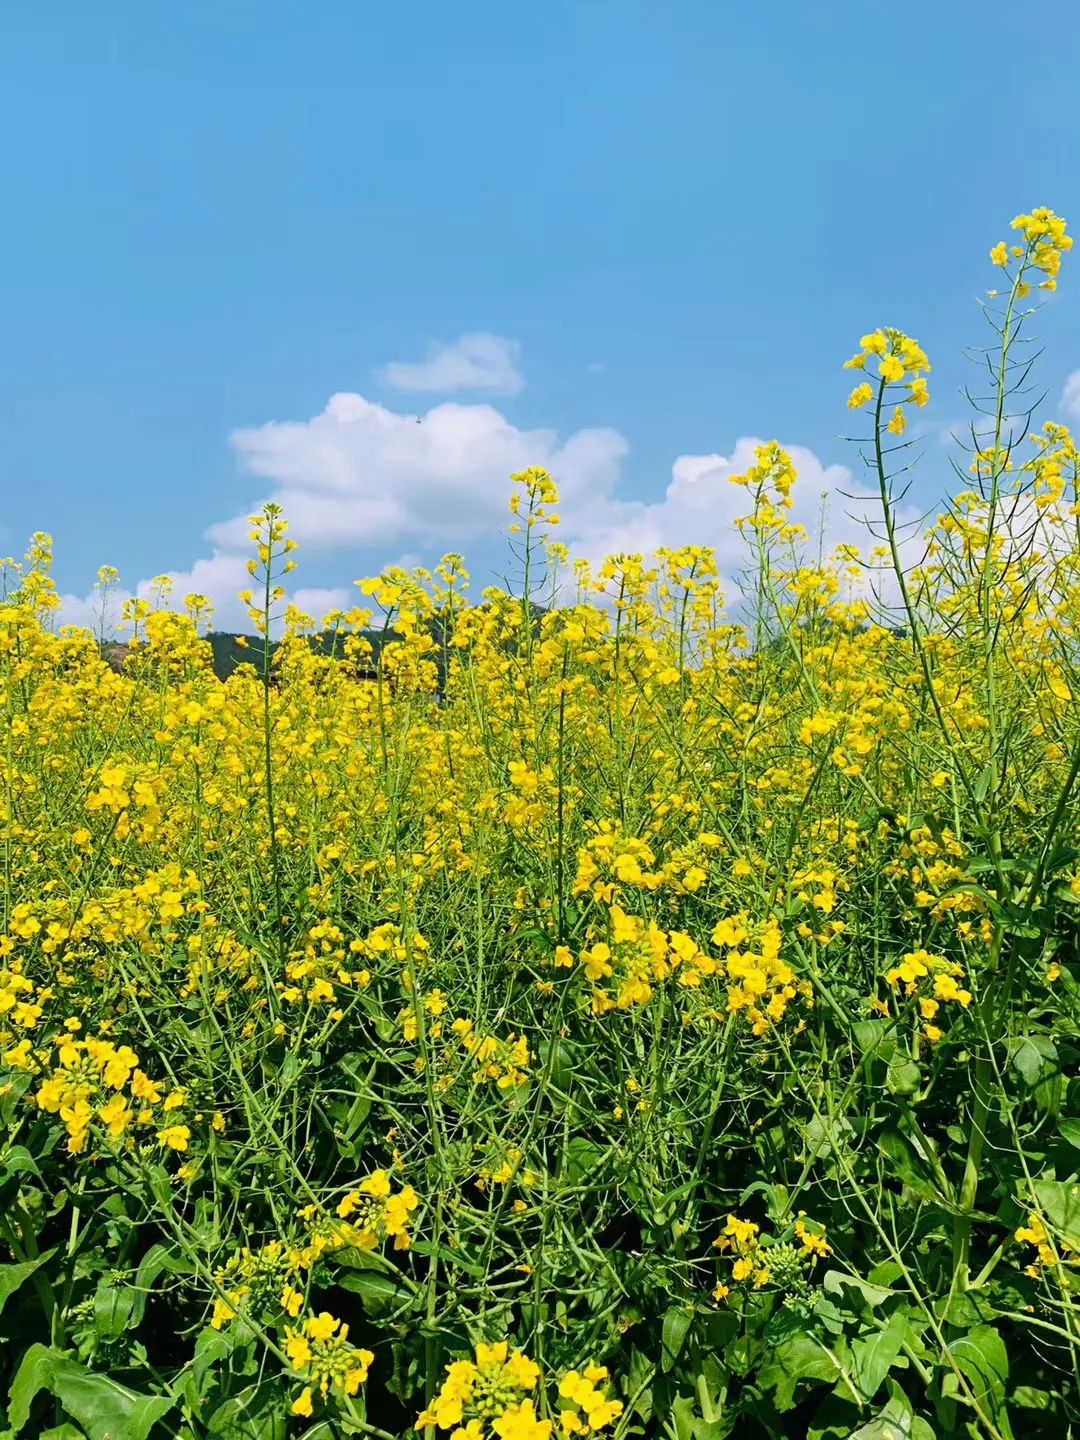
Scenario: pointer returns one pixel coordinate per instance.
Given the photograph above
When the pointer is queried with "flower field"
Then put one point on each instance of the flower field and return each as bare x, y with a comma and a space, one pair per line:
647, 1007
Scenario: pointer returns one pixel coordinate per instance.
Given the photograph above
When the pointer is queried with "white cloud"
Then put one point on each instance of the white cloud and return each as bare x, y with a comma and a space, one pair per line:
318, 600
1070, 396
700, 506
360, 474
219, 576
477, 361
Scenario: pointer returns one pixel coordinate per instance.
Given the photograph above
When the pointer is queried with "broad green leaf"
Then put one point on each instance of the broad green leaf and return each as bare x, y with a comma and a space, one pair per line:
908, 1165
114, 1307
19, 1161
682, 1413
821, 1137
882, 1427
983, 1360
875, 1037
836, 1282
677, 1322
873, 1356
379, 1293
798, 1357
1033, 1057
902, 1076
257, 1413
1032, 1398
158, 1260
12, 1276
105, 1409
1059, 1200
1069, 1130
584, 1159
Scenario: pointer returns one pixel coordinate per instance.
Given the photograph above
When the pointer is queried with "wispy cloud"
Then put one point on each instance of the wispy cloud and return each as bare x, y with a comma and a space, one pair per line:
477, 361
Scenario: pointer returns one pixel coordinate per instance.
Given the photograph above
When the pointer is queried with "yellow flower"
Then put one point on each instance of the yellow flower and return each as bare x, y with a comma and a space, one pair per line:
891, 369
116, 1116
175, 1137
520, 1422
860, 395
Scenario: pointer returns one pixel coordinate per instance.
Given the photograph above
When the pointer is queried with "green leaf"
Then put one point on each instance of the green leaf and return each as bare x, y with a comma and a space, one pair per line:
1059, 1201
1029, 1397
12, 1276
682, 1413
908, 1166
157, 1260
114, 1305
836, 1282
883, 1427
677, 1322
797, 1357
873, 1356
584, 1159
379, 1293
1070, 1130
19, 1161
105, 1409
63, 1432
983, 1360
256, 1413
1034, 1058
875, 1037
821, 1137
982, 784
965, 1309
902, 1076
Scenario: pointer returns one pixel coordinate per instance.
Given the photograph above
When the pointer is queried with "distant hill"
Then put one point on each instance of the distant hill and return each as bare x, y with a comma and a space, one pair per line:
231, 649
228, 653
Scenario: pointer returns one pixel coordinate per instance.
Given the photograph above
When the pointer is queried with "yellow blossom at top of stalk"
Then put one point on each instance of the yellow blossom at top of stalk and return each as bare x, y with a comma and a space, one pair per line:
900, 360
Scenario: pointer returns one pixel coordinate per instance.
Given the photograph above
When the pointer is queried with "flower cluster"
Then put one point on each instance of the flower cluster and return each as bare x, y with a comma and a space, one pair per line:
488, 1396
20, 1002
256, 1279
934, 981
1045, 241
761, 985
611, 860
317, 973
94, 1083
366, 1216
770, 481
504, 1061
1047, 1255
759, 1261
637, 955
585, 1407
900, 361
321, 1354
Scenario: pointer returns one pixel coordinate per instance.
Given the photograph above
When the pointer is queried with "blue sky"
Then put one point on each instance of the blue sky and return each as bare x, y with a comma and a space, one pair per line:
683, 216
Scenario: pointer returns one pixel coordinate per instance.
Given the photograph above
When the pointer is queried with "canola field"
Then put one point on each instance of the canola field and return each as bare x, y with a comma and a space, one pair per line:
644, 1008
